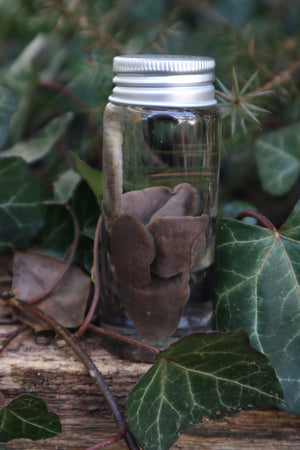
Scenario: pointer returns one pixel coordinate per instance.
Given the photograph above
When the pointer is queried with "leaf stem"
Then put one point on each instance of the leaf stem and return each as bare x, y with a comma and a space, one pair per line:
56, 86
109, 441
10, 336
86, 361
73, 247
283, 77
3, 401
121, 337
97, 284
260, 217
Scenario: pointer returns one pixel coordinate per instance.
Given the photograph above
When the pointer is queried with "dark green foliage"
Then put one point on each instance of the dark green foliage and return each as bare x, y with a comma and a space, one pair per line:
21, 203
27, 417
258, 289
202, 377
278, 159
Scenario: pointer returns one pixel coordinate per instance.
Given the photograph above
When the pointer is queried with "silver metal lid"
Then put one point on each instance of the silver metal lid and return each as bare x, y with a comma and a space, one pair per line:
164, 81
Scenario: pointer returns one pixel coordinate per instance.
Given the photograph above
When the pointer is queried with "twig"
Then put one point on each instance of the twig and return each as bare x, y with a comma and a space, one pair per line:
59, 279
65, 153
86, 360
3, 401
56, 86
10, 336
260, 217
96, 277
121, 337
282, 77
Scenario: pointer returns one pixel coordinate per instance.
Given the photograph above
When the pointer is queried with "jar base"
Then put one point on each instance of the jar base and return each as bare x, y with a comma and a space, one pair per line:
135, 353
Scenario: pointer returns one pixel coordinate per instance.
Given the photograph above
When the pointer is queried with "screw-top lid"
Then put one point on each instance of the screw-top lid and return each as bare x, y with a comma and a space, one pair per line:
164, 80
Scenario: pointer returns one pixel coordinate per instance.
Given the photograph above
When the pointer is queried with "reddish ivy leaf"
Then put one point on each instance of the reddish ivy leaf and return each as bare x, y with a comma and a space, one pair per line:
34, 273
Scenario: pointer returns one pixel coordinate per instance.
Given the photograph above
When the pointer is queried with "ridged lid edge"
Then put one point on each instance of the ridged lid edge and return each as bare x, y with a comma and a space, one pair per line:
168, 64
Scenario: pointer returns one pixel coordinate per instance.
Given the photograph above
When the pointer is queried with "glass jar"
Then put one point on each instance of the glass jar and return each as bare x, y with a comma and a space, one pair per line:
161, 141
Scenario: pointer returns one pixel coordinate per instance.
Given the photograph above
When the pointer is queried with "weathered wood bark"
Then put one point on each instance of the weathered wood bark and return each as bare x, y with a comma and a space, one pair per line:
42, 366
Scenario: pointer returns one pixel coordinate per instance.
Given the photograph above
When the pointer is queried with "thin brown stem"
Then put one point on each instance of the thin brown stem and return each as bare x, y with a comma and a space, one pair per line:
282, 77
65, 153
56, 86
86, 361
260, 217
10, 336
68, 264
121, 337
109, 441
97, 284
3, 401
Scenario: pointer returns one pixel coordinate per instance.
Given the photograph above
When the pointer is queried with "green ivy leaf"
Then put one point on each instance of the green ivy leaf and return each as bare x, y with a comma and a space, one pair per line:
86, 208
8, 105
27, 417
291, 228
21, 208
201, 377
278, 159
42, 142
257, 289
57, 234
92, 176
65, 185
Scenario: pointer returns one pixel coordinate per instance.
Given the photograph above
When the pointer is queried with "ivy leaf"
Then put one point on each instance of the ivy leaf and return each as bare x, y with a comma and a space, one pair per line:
278, 159
65, 185
202, 377
27, 417
57, 234
34, 273
257, 289
41, 143
8, 105
21, 202
92, 176
291, 228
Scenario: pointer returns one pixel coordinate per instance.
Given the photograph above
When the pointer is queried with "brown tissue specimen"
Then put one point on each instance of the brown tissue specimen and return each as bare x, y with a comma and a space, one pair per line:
155, 242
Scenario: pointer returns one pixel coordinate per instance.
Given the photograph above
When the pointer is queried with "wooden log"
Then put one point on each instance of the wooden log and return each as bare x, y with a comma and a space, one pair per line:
41, 366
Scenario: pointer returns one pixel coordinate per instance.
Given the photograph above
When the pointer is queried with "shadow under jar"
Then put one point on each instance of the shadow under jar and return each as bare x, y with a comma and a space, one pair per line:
161, 141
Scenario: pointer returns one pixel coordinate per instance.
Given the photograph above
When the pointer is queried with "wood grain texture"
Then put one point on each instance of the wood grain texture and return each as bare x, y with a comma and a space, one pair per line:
40, 365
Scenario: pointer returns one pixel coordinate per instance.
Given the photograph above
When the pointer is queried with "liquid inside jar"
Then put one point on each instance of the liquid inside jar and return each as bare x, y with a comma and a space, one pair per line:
161, 169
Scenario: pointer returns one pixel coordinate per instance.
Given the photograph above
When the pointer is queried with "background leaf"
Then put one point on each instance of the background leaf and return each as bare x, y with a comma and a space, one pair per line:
8, 105
56, 236
34, 272
231, 210
257, 289
278, 159
27, 417
21, 208
40, 144
92, 176
65, 185
201, 377
291, 228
